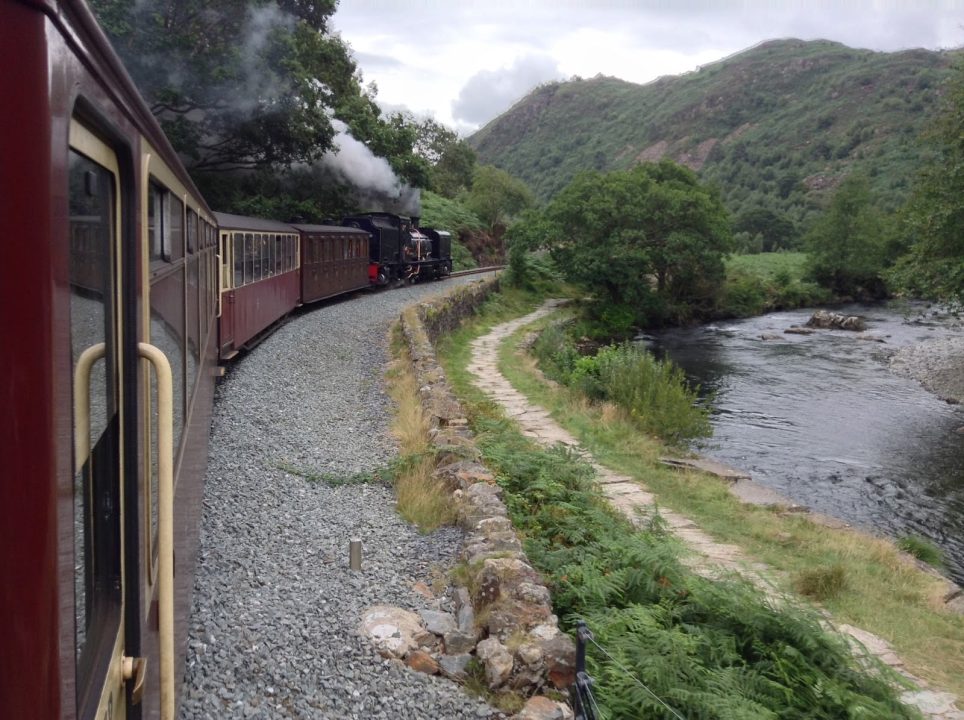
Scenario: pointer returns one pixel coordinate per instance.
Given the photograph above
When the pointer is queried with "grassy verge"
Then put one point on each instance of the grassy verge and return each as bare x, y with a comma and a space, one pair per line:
422, 499
868, 584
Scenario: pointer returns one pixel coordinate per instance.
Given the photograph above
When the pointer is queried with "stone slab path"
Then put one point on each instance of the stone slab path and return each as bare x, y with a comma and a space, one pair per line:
709, 557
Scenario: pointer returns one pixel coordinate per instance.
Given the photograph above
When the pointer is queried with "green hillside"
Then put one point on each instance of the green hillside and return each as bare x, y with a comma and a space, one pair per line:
775, 126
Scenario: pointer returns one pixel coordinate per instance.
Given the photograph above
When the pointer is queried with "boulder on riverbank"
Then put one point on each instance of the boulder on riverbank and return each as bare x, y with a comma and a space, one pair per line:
835, 321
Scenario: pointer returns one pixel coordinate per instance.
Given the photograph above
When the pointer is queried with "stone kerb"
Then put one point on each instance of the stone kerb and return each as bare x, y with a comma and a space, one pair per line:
504, 615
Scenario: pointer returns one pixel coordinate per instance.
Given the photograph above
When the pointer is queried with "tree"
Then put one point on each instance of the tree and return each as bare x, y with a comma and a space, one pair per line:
777, 232
221, 77
847, 245
931, 226
496, 196
651, 238
452, 160
246, 91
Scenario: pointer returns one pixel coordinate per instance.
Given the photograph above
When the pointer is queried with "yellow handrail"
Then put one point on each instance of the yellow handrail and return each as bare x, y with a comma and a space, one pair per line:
82, 402
165, 522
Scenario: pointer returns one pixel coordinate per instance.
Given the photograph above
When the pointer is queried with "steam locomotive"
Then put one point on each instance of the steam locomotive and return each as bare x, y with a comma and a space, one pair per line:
121, 292
400, 250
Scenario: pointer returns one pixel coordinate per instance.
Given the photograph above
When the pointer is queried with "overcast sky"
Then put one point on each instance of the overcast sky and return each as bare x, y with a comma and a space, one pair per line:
466, 61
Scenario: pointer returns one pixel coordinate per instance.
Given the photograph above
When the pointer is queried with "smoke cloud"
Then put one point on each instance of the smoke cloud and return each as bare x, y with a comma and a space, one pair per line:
377, 186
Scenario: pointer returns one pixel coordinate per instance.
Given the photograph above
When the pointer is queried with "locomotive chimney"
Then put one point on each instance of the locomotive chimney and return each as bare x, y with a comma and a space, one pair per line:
415, 219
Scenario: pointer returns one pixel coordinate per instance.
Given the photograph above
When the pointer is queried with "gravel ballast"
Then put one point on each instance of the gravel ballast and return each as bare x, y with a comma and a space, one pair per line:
273, 632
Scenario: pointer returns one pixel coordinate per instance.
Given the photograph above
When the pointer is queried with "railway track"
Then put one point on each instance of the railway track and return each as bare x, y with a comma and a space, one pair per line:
477, 271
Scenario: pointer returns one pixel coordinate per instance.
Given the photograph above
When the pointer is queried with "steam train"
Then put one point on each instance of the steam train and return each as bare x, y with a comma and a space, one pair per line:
269, 268
121, 292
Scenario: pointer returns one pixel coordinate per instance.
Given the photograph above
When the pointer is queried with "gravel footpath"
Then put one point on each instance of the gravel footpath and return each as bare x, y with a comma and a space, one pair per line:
273, 630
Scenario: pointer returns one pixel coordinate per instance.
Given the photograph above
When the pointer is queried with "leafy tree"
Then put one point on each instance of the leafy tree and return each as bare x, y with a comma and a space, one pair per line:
496, 196
451, 158
847, 245
651, 238
932, 223
221, 78
246, 90
778, 233
524, 236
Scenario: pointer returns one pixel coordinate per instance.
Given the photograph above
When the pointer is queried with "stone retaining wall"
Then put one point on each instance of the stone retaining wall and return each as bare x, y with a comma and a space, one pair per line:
514, 633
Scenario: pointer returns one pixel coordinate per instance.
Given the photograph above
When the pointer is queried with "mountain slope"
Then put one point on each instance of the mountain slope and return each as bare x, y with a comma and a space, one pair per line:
775, 126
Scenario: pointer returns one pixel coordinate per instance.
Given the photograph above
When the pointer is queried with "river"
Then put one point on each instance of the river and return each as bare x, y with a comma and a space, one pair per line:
822, 420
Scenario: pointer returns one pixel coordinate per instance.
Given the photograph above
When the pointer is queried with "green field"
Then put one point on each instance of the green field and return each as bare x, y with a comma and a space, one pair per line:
768, 265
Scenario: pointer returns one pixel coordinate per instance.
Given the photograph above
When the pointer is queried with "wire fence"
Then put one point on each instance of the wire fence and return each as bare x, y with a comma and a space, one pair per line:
581, 696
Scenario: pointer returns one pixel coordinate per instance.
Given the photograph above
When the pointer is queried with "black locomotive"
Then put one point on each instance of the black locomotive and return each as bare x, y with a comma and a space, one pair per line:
399, 250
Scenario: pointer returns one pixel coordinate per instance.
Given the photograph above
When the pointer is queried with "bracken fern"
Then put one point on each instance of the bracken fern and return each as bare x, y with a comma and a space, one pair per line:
708, 648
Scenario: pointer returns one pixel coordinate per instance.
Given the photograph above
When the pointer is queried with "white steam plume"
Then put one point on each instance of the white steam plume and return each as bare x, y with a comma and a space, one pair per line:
373, 177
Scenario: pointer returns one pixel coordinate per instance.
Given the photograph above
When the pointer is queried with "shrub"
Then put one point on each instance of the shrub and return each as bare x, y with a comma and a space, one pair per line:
556, 353
654, 392
743, 296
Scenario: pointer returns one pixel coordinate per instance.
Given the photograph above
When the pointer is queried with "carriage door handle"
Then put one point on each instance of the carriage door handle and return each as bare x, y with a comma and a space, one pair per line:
165, 523
85, 364
135, 668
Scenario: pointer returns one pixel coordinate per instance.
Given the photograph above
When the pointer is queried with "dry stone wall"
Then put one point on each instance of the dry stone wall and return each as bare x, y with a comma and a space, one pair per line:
504, 613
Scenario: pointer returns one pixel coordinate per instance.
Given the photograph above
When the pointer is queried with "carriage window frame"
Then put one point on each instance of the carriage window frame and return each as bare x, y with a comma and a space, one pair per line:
158, 243
237, 245
248, 258
104, 571
192, 220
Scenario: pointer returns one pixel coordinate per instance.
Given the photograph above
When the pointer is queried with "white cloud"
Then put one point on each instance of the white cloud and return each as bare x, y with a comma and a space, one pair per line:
489, 92
468, 61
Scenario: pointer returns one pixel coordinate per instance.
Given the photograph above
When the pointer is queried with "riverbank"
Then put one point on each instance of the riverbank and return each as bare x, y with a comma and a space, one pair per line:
880, 590
937, 364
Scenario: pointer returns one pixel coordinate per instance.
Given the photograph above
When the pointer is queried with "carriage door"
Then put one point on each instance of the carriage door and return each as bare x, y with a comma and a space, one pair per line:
95, 346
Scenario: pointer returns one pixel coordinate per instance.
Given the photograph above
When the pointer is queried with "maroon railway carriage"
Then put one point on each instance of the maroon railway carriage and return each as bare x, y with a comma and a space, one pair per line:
108, 297
334, 260
260, 281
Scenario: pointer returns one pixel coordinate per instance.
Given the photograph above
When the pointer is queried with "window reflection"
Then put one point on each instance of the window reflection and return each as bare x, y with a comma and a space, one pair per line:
96, 485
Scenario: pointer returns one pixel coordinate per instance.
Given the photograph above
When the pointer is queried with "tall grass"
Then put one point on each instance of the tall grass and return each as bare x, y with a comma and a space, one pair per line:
422, 499
922, 549
654, 393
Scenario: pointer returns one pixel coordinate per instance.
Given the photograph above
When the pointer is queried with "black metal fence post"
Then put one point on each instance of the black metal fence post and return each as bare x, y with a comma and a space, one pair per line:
580, 693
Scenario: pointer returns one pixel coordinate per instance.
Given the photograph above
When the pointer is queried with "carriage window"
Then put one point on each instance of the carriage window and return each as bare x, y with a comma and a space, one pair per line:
97, 574
237, 240
175, 219
155, 223
248, 257
265, 256
278, 254
257, 270
191, 231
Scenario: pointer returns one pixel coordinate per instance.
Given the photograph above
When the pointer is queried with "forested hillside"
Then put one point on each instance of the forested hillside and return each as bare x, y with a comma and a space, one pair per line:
775, 127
